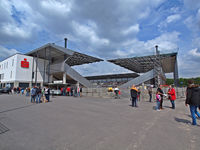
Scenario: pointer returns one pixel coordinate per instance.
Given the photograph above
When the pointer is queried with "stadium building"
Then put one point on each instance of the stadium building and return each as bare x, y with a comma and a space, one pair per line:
52, 65
49, 64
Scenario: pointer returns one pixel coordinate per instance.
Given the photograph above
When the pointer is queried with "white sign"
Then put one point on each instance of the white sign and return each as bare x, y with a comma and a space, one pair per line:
58, 81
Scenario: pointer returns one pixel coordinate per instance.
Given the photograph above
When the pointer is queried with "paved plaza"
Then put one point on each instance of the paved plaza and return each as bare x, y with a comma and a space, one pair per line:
68, 123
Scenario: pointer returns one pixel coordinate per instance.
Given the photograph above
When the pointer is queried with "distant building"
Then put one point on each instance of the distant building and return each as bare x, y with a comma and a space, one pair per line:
47, 65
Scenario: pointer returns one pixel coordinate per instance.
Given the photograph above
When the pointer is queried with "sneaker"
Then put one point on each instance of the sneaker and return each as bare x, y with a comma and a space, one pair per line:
158, 109
194, 124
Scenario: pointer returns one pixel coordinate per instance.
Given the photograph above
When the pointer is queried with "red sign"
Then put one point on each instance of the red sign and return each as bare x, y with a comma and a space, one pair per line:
25, 63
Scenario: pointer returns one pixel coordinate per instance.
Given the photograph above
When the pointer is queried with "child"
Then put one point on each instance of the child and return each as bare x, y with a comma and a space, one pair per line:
158, 99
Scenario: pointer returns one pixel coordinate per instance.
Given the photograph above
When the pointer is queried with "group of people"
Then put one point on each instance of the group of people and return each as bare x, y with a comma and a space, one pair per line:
192, 98
39, 95
71, 91
160, 94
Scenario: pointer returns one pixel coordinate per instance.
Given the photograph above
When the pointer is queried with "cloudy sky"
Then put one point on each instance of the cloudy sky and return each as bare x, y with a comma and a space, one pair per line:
106, 29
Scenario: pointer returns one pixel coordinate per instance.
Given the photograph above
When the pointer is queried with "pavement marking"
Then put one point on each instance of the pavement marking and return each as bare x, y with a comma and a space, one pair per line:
3, 128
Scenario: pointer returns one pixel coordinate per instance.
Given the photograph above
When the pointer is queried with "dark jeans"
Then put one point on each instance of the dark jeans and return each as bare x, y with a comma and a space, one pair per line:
116, 94
33, 98
150, 97
161, 103
194, 112
173, 104
38, 98
158, 105
134, 102
47, 97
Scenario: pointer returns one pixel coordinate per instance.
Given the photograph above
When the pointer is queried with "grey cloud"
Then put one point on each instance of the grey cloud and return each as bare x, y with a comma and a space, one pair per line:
111, 18
4, 52
188, 65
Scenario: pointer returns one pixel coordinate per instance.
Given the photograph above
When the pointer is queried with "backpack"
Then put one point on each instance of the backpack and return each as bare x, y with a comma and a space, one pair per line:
33, 91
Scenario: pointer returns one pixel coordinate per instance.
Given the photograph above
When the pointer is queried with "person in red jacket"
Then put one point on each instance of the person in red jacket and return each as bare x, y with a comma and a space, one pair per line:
172, 95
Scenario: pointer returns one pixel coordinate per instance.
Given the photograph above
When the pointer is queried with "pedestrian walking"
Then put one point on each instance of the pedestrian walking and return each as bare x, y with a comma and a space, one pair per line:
161, 93
134, 93
193, 100
72, 91
64, 91
39, 95
172, 95
138, 95
116, 91
22, 91
81, 90
27, 91
150, 93
33, 94
68, 91
47, 93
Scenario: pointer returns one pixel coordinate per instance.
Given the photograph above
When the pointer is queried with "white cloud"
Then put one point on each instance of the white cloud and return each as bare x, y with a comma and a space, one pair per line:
4, 52
14, 31
5, 11
167, 42
173, 18
56, 7
100, 69
194, 52
170, 19
131, 29
188, 63
105, 28
88, 32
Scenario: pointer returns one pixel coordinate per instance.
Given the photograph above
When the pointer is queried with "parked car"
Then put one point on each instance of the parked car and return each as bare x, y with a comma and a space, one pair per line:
5, 90
55, 92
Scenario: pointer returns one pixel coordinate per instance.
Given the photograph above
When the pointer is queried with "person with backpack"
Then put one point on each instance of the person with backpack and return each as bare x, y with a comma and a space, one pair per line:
116, 91
134, 92
193, 100
33, 94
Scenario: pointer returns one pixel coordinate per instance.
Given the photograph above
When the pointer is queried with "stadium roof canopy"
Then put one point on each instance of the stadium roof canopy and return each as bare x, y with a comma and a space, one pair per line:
113, 76
146, 63
58, 53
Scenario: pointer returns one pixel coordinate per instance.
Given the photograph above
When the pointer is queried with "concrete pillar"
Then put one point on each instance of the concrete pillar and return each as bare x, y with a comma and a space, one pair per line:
16, 84
51, 79
64, 78
30, 84
176, 80
77, 85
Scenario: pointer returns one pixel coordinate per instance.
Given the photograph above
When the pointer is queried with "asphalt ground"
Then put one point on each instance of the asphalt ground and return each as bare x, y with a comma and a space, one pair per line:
86, 123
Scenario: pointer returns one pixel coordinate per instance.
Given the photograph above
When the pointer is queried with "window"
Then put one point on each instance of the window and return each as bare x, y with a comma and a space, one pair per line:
1, 76
12, 62
11, 74
7, 65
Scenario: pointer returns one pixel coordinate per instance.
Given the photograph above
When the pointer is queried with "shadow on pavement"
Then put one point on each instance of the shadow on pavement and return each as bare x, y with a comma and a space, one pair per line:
16, 108
167, 107
182, 120
154, 108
